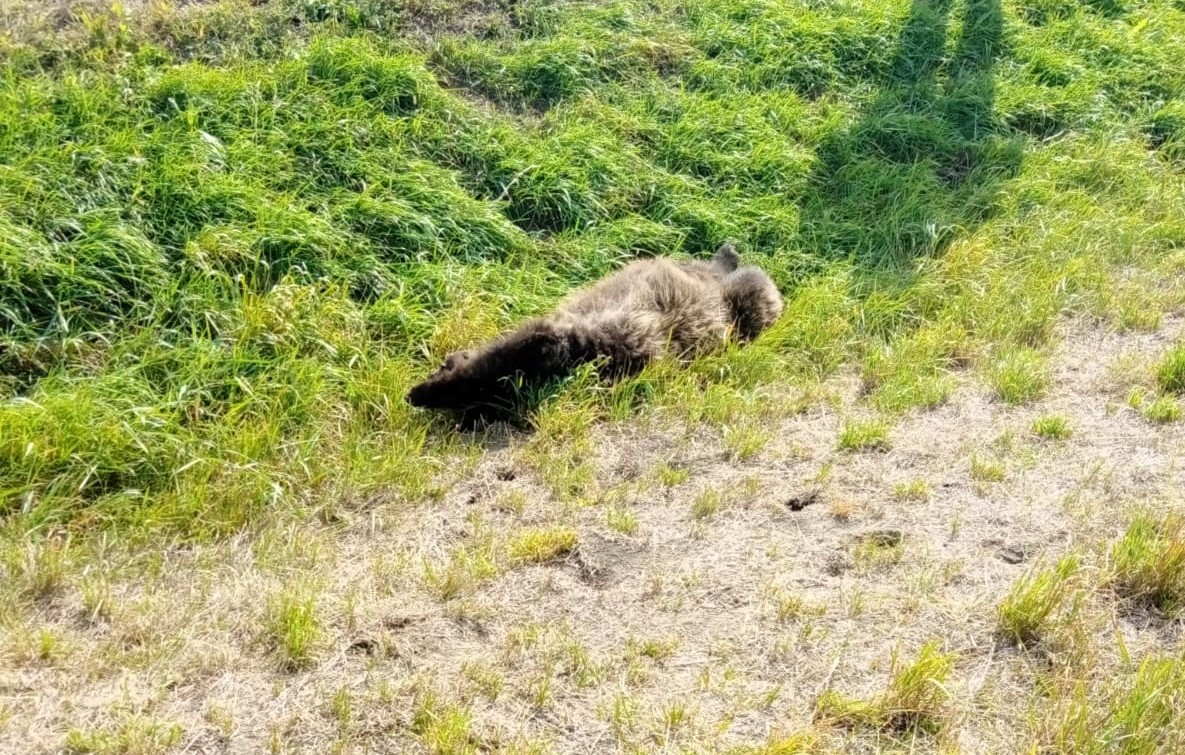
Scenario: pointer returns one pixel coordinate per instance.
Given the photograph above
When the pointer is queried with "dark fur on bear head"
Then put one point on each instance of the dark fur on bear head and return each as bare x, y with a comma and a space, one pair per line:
490, 375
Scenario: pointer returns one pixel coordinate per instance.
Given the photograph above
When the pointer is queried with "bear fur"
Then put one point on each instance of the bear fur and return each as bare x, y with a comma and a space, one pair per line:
647, 309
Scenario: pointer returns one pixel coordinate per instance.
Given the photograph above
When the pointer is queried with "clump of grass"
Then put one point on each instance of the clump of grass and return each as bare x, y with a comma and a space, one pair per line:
1161, 410
878, 549
799, 743
621, 519
745, 441
467, 565
38, 566
485, 677
914, 700
1019, 375
133, 734
864, 435
671, 476
914, 490
1170, 371
1136, 309
1052, 427
293, 626
657, 650
1148, 562
789, 606
986, 470
913, 372
706, 504
534, 546
1025, 613
841, 508
1128, 713
444, 728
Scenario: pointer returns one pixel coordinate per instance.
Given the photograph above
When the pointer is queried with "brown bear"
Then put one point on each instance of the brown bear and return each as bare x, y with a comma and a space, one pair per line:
648, 308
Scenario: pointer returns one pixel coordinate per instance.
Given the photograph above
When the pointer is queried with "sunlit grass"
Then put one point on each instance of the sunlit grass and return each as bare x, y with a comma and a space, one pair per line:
271, 219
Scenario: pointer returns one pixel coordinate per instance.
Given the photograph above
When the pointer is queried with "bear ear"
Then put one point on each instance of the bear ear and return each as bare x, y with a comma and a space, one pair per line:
726, 257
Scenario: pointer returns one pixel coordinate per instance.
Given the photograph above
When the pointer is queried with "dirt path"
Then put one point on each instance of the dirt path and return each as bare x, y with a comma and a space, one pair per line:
695, 631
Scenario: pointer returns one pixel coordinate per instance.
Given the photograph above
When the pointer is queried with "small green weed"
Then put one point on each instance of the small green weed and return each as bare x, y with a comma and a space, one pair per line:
986, 470
621, 519
706, 504
1052, 427
1170, 371
671, 476
535, 546
914, 490
878, 549
292, 624
443, 727
864, 435
468, 565
1019, 375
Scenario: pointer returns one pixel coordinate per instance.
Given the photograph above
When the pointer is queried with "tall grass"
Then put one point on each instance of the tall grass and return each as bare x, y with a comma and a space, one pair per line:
231, 236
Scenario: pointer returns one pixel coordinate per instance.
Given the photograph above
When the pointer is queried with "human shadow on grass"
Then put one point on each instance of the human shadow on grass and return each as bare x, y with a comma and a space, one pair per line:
925, 161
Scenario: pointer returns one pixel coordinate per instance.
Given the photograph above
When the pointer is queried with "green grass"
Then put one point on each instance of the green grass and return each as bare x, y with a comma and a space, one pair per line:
1052, 427
1162, 410
233, 235
1148, 562
1170, 372
986, 470
864, 435
1026, 613
1019, 375
135, 734
915, 698
1134, 712
540, 545
293, 627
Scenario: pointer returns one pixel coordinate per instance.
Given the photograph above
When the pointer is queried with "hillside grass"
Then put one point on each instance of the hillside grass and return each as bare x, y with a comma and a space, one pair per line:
232, 235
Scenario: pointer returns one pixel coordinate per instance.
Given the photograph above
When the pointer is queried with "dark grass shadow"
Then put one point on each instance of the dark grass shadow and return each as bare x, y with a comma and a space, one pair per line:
925, 160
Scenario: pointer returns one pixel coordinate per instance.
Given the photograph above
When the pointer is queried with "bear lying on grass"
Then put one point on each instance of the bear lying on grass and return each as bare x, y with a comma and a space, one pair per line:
647, 309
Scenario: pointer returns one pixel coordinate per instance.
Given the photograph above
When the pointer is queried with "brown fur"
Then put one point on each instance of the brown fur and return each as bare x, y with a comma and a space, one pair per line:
646, 309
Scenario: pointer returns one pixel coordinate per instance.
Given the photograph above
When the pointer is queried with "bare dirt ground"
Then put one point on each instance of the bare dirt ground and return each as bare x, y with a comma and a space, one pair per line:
742, 593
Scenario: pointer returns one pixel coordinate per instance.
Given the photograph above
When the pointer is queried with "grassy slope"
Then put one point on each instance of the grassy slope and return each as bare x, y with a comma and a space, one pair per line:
231, 237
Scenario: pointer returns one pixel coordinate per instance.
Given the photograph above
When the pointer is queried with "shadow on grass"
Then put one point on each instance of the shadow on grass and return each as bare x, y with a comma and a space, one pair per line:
925, 161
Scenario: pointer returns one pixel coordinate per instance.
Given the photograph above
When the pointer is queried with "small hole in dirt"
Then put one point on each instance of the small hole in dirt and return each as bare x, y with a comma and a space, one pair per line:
401, 622
883, 538
802, 500
367, 647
